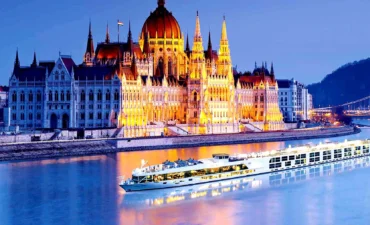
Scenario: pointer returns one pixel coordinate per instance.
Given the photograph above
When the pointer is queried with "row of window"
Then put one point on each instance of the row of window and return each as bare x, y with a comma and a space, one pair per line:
61, 97
22, 96
22, 107
99, 116
99, 95
30, 116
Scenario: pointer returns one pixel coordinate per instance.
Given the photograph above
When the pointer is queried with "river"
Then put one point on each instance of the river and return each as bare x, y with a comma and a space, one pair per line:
84, 190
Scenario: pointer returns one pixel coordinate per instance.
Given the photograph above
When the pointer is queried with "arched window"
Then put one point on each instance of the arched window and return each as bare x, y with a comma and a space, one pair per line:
91, 96
261, 98
160, 69
169, 66
83, 95
107, 95
50, 96
87, 58
30, 96
14, 97
22, 97
62, 96
116, 95
100, 95
195, 96
56, 97
38, 96
68, 96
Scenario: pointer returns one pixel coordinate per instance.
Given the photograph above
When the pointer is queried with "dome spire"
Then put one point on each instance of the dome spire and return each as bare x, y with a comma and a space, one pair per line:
161, 2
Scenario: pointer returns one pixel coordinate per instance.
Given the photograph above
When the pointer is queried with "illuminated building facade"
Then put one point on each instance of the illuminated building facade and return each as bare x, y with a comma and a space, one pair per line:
157, 84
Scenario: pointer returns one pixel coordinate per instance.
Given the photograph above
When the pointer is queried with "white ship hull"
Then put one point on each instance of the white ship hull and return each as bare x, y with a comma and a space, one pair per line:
256, 166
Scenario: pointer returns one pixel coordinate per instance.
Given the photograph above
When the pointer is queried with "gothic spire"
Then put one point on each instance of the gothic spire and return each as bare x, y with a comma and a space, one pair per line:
209, 41
34, 62
107, 37
209, 50
197, 27
17, 64
90, 52
187, 48
129, 38
224, 31
272, 69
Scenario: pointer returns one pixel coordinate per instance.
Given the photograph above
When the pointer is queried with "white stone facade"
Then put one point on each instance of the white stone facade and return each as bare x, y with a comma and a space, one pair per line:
294, 100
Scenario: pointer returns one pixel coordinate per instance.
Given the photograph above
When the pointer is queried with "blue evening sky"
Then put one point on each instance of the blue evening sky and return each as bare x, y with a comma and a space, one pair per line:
305, 39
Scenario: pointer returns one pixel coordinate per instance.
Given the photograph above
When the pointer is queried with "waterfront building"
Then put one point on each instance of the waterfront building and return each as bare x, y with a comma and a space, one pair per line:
295, 101
156, 85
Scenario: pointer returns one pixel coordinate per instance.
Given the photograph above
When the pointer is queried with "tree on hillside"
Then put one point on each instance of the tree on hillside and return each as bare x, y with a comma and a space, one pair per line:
340, 116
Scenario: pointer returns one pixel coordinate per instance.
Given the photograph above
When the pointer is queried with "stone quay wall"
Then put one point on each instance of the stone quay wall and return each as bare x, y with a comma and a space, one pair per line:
52, 149
222, 139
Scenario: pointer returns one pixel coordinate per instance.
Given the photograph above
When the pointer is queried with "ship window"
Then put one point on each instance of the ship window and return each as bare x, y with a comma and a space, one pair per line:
303, 156
288, 163
291, 157
284, 158
317, 153
272, 166
298, 157
297, 162
312, 154
317, 159
278, 165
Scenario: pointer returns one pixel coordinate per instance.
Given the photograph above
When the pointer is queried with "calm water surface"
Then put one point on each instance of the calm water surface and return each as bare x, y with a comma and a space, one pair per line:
84, 190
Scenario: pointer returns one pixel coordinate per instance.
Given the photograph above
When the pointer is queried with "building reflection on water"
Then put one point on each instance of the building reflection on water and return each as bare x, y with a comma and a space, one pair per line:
58, 191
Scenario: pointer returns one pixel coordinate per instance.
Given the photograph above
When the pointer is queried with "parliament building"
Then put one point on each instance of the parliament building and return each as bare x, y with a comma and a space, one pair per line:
156, 84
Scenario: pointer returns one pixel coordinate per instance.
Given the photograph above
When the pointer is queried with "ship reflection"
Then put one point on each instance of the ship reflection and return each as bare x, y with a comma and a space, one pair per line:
157, 198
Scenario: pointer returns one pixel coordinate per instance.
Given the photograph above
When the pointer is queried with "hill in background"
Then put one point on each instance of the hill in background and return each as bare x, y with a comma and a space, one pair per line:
348, 83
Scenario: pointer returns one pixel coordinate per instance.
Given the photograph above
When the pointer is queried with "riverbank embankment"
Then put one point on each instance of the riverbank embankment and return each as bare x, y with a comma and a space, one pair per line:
23, 151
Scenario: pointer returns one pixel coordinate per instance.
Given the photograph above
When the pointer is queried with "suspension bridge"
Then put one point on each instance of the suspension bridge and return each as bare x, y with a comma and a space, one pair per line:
357, 108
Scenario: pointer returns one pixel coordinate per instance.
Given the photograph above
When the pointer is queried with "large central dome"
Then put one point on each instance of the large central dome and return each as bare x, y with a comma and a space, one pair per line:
161, 22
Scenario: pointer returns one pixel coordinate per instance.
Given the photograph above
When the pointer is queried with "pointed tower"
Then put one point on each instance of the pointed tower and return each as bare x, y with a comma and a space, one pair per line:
209, 49
34, 62
197, 80
272, 72
187, 48
107, 37
129, 38
17, 63
224, 66
197, 60
90, 52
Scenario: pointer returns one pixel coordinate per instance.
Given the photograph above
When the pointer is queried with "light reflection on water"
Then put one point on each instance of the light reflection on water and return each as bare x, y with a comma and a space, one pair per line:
84, 190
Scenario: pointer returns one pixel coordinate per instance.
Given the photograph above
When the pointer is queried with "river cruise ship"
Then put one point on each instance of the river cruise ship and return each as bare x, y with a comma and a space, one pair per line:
223, 166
